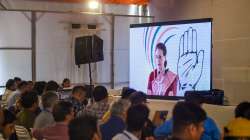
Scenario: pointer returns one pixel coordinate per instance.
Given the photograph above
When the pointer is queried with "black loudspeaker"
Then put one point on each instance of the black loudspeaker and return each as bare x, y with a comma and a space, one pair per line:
75, 26
91, 26
88, 49
214, 96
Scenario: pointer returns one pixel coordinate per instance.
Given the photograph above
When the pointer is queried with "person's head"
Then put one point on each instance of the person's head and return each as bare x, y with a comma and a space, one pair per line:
11, 85
8, 124
138, 98
49, 99
52, 86
241, 109
247, 114
66, 83
39, 87
136, 117
29, 100
100, 93
79, 93
126, 92
160, 56
63, 112
120, 108
30, 85
84, 128
194, 98
23, 86
17, 80
188, 119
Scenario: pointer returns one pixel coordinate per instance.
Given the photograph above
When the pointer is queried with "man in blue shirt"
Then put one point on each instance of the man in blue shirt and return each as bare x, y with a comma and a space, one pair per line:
211, 131
116, 122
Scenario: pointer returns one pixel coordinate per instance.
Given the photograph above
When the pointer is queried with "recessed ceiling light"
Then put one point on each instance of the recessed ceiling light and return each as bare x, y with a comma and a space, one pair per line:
93, 4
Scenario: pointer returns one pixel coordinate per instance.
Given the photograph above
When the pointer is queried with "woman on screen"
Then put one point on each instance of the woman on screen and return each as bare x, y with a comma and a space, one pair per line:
162, 82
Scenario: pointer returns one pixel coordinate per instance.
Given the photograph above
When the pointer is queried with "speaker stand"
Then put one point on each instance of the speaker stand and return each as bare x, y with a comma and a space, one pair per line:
91, 83
90, 75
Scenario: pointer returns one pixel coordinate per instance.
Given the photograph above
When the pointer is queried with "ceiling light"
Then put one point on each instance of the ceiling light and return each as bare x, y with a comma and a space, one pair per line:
93, 4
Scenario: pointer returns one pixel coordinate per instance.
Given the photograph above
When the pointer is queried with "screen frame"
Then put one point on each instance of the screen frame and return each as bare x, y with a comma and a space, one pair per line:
178, 22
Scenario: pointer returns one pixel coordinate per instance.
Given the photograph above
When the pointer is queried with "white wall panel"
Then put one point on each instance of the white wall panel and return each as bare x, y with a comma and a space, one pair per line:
15, 30
14, 63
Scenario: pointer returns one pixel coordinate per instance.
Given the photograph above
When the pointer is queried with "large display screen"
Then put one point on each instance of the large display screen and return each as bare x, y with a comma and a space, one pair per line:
169, 58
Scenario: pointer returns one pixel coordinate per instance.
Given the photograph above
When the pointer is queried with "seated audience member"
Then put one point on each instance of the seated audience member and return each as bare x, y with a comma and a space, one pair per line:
10, 88
17, 80
141, 98
84, 128
126, 92
211, 131
63, 113
101, 104
242, 109
136, 118
29, 102
188, 121
138, 98
39, 87
66, 83
78, 98
45, 118
8, 125
52, 86
116, 122
240, 126
30, 85
21, 88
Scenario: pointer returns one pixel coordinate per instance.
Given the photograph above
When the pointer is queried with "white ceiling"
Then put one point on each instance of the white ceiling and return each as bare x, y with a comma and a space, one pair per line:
68, 7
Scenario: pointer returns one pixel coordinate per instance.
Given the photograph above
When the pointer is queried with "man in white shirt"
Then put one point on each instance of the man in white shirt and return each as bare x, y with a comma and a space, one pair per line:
21, 88
10, 88
45, 118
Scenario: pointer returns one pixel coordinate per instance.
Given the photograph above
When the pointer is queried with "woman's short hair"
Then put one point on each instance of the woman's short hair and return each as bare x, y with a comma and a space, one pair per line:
162, 47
